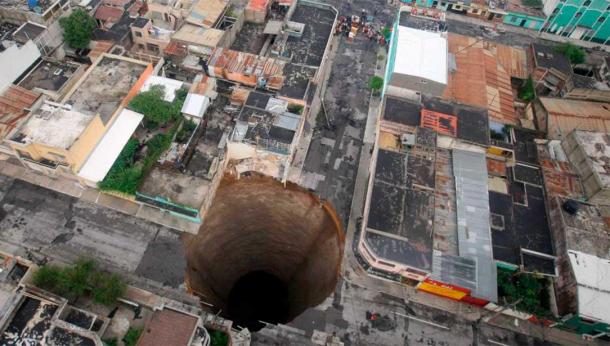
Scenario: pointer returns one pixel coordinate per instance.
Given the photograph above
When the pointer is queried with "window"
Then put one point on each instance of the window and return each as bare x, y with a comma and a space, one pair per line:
608, 8
556, 10
138, 34
141, 46
578, 15
152, 47
514, 19
587, 3
601, 19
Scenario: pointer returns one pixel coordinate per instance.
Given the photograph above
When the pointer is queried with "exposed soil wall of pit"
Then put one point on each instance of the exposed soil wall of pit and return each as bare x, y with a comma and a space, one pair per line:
276, 234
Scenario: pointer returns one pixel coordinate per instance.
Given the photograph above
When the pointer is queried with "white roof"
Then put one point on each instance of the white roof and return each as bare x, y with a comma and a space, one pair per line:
422, 54
108, 149
171, 85
195, 105
592, 275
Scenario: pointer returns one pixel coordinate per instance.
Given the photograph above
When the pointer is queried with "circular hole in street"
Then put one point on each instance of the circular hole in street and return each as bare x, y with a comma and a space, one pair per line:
265, 252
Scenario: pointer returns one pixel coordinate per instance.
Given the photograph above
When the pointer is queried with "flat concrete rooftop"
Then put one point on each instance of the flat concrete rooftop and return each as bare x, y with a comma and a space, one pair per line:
105, 85
184, 189
54, 126
49, 75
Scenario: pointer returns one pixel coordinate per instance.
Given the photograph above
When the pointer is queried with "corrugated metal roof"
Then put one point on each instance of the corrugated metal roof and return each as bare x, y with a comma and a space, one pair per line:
474, 233
13, 102
246, 68
567, 115
483, 74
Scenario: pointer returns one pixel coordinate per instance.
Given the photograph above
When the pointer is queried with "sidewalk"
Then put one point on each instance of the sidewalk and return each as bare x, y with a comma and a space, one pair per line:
523, 31
73, 188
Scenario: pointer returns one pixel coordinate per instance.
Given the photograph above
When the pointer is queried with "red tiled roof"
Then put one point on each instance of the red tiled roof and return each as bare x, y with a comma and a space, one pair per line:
168, 328
105, 13
12, 107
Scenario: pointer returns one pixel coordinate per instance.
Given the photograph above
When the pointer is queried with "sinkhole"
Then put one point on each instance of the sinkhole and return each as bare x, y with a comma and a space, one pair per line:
265, 252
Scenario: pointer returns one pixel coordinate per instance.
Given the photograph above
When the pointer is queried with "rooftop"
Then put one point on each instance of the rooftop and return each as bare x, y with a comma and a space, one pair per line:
519, 223
197, 35
399, 227
434, 22
114, 30
518, 7
22, 5
592, 275
421, 53
309, 48
246, 68
450, 119
547, 57
170, 86
560, 180
206, 13
483, 75
54, 125
566, 115
105, 85
50, 75
472, 206
28, 31
596, 145
585, 231
13, 104
183, 189
169, 328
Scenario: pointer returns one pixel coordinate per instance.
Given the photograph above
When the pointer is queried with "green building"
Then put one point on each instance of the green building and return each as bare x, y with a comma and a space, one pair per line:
579, 19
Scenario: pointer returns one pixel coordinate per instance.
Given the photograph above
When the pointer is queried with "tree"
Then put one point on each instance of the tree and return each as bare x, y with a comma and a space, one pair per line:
78, 28
132, 336
218, 338
106, 288
575, 54
527, 91
376, 83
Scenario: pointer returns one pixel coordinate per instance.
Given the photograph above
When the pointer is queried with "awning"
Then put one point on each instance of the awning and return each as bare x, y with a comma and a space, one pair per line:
108, 149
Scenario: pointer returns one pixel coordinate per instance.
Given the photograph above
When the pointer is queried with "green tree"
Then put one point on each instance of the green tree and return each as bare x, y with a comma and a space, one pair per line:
106, 288
218, 338
78, 28
376, 83
527, 91
132, 336
575, 54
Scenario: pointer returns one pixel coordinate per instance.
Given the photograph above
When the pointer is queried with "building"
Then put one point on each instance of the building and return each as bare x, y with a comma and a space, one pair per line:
59, 138
482, 76
579, 19
43, 12
15, 103
52, 77
428, 162
558, 117
519, 14
550, 70
589, 153
421, 40
15, 60
582, 240
171, 328
149, 39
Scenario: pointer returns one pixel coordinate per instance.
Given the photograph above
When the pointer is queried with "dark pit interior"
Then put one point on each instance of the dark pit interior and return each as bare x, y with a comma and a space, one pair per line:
265, 252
